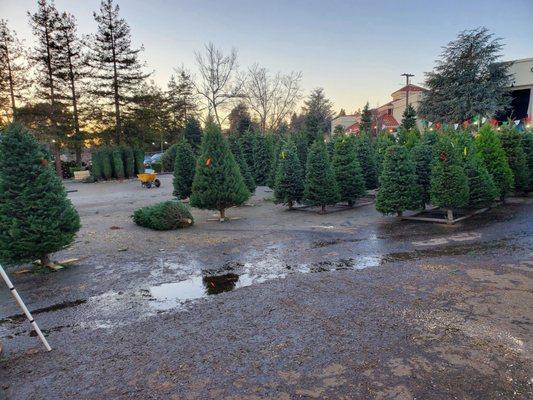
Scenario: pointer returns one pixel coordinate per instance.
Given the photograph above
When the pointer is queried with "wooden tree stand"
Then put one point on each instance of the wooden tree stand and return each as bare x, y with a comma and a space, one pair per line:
363, 201
449, 216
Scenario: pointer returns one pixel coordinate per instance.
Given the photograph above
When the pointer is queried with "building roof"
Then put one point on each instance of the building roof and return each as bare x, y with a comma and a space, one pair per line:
389, 121
353, 127
412, 88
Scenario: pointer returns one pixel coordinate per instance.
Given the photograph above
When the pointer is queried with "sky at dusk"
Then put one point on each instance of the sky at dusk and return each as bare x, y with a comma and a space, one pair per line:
355, 50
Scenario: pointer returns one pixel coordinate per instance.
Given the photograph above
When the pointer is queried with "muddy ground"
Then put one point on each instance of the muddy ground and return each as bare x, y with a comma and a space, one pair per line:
276, 304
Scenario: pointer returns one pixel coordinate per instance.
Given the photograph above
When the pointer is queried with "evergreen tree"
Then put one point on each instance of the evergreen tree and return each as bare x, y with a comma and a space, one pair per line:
129, 161
193, 132
13, 70
367, 159
398, 190
107, 162
168, 159
289, 185
366, 120
118, 163
512, 143
138, 155
239, 119
469, 79
263, 154
277, 145
236, 149
318, 114
183, 170
489, 147
248, 145
182, 102
321, 188
409, 118
482, 188
116, 71
218, 183
347, 170
408, 138
96, 168
422, 156
528, 149
36, 217
383, 142
300, 140
449, 183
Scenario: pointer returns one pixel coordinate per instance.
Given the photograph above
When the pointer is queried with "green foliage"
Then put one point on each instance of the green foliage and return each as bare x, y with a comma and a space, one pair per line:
157, 166
164, 216
422, 156
300, 140
183, 170
193, 132
347, 170
528, 149
489, 147
289, 183
236, 149
430, 137
367, 158
248, 144
36, 217
107, 163
449, 183
409, 118
512, 143
129, 161
408, 138
118, 163
262, 154
218, 183
398, 190
278, 147
320, 187
138, 154
96, 161
366, 120
469, 79
383, 142
318, 113
169, 157
483, 191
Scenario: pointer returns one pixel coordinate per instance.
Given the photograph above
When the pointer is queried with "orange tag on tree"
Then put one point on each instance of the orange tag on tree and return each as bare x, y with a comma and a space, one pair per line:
208, 162
44, 162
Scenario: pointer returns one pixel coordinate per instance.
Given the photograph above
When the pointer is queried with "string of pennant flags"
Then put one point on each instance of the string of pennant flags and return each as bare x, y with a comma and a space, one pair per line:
476, 121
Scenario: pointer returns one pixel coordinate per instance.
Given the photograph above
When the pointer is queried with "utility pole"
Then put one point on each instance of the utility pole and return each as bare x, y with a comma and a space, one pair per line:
407, 76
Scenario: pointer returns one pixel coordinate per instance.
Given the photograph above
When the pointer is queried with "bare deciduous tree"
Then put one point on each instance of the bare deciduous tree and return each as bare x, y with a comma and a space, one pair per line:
218, 83
271, 98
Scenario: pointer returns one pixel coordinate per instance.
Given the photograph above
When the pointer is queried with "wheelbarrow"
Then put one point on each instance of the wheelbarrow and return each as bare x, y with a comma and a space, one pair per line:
148, 180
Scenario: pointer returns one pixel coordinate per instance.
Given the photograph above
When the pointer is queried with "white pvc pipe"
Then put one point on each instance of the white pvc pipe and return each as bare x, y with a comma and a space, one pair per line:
23, 306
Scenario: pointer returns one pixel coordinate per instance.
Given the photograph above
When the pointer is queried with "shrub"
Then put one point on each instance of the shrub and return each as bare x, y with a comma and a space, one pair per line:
157, 166
169, 157
107, 166
118, 163
138, 155
129, 161
164, 216
36, 216
96, 169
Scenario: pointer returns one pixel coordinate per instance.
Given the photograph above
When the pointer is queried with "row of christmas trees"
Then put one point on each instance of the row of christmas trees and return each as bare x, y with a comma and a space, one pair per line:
447, 168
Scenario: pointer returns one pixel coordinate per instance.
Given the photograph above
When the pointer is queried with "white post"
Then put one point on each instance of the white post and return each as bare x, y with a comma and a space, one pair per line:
23, 306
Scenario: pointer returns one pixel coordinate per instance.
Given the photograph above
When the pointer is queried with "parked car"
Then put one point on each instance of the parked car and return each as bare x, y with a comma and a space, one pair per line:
152, 158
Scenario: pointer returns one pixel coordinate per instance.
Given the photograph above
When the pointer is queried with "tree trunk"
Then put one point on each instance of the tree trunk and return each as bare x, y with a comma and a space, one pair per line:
118, 122
45, 260
449, 216
399, 213
222, 214
11, 87
77, 133
57, 161
323, 209
290, 204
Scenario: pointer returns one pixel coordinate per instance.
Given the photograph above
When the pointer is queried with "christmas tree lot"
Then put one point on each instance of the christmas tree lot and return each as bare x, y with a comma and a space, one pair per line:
513, 146
289, 183
218, 183
399, 190
184, 166
347, 170
320, 187
367, 158
36, 217
236, 149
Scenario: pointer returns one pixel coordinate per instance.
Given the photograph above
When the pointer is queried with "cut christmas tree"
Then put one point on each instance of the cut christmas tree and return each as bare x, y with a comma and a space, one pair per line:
398, 190
367, 159
184, 166
218, 183
347, 170
513, 145
36, 217
289, 187
236, 149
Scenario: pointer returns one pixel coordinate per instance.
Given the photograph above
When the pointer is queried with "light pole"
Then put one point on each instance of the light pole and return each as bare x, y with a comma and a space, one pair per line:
407, 76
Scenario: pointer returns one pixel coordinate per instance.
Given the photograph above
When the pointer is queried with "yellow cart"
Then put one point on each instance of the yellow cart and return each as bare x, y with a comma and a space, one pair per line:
148, 180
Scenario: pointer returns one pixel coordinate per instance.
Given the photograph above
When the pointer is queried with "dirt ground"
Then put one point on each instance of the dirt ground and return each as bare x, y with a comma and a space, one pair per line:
276, 305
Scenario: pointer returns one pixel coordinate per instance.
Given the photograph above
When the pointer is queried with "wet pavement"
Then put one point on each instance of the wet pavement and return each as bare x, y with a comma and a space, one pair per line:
276, 304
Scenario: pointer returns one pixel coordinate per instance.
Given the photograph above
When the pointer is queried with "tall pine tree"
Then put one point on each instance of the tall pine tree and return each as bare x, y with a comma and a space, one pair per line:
36, 216
218, 183
366, 120
321, 188
183, 170
116, 70
367, 158
236, 149
409, 118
